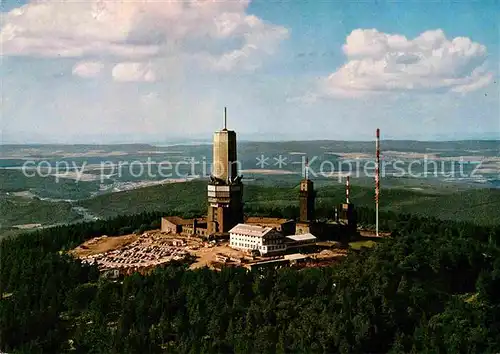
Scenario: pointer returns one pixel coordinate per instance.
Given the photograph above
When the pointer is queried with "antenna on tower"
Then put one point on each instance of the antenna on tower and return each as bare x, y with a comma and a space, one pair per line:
225, 118
307, 169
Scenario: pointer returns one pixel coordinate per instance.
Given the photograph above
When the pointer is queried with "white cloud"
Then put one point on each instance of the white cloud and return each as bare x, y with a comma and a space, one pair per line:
133, 72
259, 38
380, 62
219, 35
88, 69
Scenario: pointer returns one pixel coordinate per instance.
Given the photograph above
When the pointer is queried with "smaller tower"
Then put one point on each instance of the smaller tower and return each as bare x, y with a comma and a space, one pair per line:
307, 197
347, 213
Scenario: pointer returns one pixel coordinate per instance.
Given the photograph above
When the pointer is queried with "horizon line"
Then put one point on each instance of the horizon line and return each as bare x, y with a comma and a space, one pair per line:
209, 142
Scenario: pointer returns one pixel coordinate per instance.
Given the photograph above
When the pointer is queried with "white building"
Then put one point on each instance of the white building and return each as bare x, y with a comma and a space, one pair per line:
266, 240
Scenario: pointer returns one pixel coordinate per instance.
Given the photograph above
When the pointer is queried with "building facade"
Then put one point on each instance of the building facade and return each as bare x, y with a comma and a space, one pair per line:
265, 240
173, 224
186, 227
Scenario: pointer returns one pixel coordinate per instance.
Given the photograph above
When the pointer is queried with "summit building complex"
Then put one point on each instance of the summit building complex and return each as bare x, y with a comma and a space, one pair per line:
262, 234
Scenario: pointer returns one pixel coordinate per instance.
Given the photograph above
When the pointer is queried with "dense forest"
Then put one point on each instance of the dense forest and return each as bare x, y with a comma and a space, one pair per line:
430, 288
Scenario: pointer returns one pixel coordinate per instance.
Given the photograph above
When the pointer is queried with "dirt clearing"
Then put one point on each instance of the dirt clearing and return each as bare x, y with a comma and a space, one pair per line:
103, 244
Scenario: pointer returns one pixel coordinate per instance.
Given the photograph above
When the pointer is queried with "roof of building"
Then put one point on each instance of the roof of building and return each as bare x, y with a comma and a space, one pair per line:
266, 220
295, 256
251, 230
305, 223
302, 237
176, 220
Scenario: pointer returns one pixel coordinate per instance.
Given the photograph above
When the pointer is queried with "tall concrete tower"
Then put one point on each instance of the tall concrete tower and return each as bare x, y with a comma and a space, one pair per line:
306, 197
225, 189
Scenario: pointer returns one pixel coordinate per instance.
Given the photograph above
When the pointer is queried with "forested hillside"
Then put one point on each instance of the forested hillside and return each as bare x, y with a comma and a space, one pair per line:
431, 288
473, 205
263, 197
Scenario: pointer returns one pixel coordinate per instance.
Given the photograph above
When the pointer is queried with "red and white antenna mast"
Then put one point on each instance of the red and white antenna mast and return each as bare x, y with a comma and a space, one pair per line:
347, 190
377, 178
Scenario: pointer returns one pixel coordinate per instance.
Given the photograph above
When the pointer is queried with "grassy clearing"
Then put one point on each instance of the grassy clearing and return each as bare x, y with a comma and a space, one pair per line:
357, 245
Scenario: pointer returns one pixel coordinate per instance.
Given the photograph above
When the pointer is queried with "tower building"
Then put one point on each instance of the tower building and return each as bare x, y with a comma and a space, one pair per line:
306, 197
346, 213
225, 189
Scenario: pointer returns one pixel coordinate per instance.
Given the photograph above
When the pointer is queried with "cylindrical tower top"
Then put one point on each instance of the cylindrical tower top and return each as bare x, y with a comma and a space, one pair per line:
225, 164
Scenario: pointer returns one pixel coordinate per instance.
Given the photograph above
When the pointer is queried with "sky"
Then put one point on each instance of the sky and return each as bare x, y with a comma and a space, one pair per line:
101, 71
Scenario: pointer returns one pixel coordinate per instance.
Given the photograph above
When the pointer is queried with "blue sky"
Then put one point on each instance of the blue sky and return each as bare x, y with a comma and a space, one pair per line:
101, 71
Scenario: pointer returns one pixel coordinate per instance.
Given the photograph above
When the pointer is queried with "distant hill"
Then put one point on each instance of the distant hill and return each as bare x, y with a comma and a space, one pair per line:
47, 200
479, 206
457, 146
476, 205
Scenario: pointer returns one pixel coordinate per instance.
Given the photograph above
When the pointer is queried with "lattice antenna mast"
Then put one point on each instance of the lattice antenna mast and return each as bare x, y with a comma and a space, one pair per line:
347, 190
377, 178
